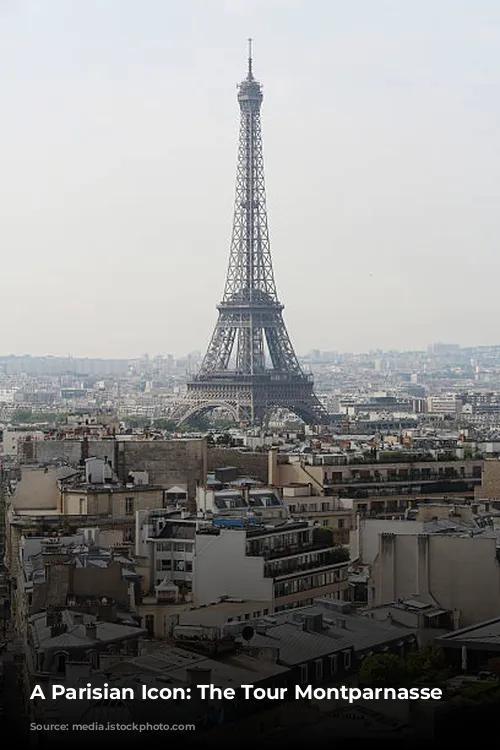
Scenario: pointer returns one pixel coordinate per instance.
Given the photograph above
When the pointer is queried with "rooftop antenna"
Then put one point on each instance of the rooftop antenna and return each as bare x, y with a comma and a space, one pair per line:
250, 72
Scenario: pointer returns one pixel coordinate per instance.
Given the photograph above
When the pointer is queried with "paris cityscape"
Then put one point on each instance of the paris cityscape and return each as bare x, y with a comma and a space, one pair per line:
297, 544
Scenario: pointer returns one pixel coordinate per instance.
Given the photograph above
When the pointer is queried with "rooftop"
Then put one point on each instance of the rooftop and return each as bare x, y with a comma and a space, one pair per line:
339, 630
76, 633
483, 635
173, 663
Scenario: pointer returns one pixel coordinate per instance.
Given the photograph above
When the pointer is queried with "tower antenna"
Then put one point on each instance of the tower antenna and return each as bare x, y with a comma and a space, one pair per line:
250, 72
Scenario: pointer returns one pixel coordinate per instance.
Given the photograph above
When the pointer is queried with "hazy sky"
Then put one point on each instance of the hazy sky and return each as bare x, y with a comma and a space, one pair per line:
118, 135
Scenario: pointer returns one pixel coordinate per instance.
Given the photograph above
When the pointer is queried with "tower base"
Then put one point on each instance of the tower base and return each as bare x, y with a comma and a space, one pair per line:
251, 398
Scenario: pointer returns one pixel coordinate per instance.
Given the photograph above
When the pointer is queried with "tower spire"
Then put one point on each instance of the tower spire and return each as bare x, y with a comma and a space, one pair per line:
250, 71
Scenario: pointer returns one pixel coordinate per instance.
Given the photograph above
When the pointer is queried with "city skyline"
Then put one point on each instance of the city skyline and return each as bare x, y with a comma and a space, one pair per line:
301, 354
118, 168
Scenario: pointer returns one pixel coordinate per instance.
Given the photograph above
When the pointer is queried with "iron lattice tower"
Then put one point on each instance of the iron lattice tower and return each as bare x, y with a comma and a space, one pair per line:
250, 367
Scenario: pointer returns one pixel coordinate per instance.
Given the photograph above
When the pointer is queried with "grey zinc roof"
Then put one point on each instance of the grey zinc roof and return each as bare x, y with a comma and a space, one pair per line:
172, 663
487, 633
75, 634
296, 645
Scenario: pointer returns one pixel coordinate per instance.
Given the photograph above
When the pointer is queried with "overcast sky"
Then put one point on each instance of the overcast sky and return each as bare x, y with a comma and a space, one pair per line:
118, 136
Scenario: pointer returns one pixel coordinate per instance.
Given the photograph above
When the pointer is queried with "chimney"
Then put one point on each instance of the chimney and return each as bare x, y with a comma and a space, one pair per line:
91, 631
272, 467
342, 623
53, 617
58, 629
313, 623
198, 676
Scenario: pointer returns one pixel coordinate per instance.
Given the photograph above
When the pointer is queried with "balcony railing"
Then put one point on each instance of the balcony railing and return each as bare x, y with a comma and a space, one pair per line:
288, 551
416, 478
339, 555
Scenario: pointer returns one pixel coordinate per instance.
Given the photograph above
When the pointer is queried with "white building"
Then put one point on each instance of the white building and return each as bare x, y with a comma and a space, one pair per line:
445, 403
452, 567
283, 564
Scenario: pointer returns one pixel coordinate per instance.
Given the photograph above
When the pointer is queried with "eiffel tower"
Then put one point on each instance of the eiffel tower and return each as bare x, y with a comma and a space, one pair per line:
250, 368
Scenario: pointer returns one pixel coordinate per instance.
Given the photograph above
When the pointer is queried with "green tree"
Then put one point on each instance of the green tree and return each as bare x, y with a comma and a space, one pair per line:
323, 535
165, 424
21, 416
494, 666
427, 663
383, 670
136, 421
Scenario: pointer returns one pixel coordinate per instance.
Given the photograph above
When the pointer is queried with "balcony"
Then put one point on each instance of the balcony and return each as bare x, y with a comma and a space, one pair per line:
292, 550
293, 566
411, 477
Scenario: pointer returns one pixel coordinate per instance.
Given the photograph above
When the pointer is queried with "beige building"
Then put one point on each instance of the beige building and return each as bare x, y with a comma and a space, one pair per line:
455, 572
305, 506
116, 502
381, 488
489, 489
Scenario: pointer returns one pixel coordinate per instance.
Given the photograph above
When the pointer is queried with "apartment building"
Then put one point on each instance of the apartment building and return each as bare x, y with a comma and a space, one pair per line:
229, 500
285, 564
381, 487
445, 569
303, 505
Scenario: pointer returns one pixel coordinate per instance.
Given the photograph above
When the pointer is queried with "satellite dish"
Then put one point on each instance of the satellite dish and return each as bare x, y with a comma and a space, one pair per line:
247, 633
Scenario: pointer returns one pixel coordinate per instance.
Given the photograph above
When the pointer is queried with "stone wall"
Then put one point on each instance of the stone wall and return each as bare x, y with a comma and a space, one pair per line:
69, 451
93, 583
167, 462
248, 464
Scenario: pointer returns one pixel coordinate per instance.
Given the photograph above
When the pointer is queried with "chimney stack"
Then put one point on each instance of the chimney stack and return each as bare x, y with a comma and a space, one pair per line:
272, 467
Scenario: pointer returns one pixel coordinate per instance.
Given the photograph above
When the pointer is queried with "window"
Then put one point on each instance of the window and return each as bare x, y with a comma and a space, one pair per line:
303, 673
265, 612
61, 662
333, 665
150, 625
163, 565
319, 669
347, 659
129, 506
341, 523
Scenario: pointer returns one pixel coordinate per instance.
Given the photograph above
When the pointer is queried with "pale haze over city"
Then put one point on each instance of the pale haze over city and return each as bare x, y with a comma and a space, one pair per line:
118, 142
